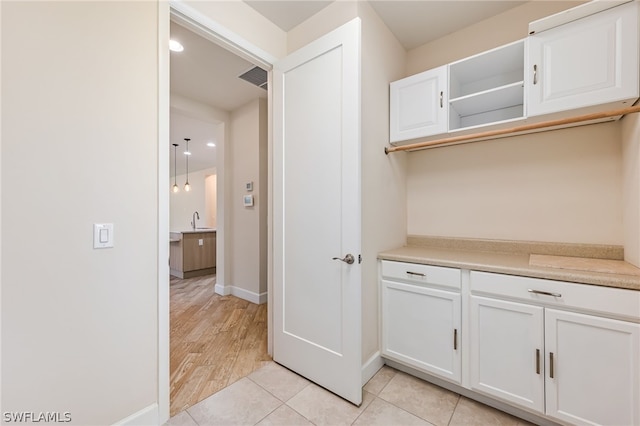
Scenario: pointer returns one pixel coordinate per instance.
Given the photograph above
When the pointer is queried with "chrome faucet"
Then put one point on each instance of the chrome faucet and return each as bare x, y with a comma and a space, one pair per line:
193, 219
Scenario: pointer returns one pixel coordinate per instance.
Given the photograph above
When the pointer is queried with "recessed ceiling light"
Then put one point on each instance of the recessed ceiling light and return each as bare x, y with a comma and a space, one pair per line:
211, 144
187, 153
175, 46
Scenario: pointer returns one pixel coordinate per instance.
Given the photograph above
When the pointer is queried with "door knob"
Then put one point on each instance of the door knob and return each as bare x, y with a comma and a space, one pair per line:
347, 259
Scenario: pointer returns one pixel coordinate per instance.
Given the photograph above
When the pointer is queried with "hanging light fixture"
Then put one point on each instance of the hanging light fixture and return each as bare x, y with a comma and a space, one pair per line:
187, 187
176, 188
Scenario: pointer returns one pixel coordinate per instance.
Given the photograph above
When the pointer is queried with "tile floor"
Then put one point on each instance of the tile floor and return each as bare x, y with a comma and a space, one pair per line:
274, 395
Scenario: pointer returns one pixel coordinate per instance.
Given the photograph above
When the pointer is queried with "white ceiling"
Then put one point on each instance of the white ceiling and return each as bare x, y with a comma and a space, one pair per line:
209, 74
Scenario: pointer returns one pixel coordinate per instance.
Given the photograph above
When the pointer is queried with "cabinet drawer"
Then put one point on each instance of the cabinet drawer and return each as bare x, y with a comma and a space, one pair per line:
612, 302
421, 274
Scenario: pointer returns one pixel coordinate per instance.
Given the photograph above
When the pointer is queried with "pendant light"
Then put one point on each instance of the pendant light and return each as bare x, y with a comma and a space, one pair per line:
176, 188
187, 187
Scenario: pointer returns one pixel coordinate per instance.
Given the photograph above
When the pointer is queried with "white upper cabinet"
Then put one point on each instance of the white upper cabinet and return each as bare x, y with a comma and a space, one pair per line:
418, 105
586, 62
583, 60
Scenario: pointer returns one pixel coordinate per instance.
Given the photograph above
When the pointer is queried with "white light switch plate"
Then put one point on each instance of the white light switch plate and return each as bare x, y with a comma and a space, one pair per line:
102, 235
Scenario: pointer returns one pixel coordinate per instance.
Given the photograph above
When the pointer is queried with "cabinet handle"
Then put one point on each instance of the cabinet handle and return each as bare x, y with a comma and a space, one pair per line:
441, 95
535, 74
545, 293
537, 361
455, 339
417, 274
551, 365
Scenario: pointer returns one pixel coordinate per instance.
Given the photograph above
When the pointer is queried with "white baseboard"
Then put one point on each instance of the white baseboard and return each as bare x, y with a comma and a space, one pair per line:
222, 290
241, 293
146, 416
371, 367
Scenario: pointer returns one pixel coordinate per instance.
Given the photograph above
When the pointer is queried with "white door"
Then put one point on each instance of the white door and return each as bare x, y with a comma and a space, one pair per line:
316, 209
419, 105
593, 366
591, 61
507, 352
421, 327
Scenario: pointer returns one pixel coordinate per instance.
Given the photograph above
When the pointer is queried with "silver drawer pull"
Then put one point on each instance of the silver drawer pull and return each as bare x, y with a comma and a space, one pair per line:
417, 274
545, 293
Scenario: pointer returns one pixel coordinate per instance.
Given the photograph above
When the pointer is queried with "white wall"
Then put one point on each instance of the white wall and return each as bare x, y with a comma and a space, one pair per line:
563, 185
79, 146
183, 204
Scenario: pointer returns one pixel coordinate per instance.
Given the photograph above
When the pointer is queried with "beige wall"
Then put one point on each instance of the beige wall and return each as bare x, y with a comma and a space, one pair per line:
183, 204
211, 199
563, 185
631, 187
501, 29
79, 146
248, 134
326, 20
244, 21
383, 177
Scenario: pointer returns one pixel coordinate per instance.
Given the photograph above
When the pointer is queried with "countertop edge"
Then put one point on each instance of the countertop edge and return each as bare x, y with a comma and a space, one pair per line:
194, 231
517, 264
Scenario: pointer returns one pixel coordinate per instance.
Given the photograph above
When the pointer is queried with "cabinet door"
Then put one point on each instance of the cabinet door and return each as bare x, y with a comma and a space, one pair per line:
418, 105
199, 251
593, 374
421, 328
590, 61
506, 353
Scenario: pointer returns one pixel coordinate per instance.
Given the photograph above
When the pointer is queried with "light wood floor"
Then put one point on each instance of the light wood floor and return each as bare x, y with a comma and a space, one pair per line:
215, 340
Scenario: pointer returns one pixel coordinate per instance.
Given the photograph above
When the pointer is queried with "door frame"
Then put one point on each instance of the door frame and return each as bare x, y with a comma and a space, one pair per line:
222, 36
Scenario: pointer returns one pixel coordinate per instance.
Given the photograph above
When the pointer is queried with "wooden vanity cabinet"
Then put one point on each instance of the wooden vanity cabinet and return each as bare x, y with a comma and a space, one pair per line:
194, 254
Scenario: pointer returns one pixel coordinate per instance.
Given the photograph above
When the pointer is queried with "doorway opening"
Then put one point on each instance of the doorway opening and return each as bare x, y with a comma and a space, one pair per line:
218, 321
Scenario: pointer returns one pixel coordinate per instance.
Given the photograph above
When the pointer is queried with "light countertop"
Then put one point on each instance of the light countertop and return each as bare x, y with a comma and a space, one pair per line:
510, 262
176, 236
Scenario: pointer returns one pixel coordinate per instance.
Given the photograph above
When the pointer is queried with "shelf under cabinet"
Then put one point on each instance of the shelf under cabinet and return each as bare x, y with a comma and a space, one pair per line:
497, 98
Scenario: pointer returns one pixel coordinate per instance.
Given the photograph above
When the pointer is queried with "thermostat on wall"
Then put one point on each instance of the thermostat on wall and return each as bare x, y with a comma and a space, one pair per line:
248, 200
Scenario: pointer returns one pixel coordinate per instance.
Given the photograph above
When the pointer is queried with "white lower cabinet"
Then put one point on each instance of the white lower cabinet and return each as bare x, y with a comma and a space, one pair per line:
566, 352
421, 324
572, 367
506, 351
592, 374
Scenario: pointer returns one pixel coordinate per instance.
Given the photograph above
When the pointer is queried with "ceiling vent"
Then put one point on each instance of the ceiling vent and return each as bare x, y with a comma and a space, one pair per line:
257, 76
